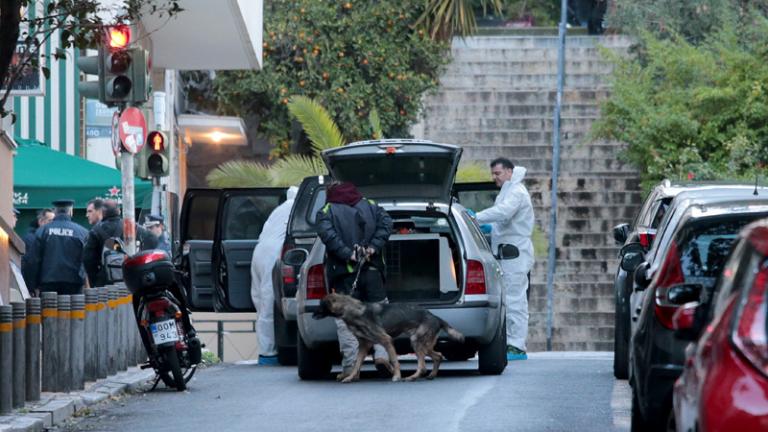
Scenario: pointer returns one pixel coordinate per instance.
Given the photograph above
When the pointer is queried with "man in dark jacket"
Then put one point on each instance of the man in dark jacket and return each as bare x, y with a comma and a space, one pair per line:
354, 231
44, 217
111, 225
56, 262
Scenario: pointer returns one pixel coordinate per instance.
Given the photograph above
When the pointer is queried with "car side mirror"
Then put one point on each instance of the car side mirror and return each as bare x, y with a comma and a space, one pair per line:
508, 251
641, 279
295, 257
683, 322
621, 233
632, 255
681, 294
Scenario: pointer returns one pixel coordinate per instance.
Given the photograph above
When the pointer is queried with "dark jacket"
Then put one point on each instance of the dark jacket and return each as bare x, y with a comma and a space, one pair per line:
57, 254
341, 226
110, 226
29, 245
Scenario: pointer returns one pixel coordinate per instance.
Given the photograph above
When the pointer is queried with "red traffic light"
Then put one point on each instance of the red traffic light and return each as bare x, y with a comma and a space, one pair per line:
118, 36
156, 141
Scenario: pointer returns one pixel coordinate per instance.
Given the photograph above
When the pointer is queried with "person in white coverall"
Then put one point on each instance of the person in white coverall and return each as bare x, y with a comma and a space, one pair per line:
511, 220
266, 253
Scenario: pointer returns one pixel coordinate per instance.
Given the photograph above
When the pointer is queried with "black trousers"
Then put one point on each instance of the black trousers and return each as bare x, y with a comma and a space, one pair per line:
370, 285
62, 288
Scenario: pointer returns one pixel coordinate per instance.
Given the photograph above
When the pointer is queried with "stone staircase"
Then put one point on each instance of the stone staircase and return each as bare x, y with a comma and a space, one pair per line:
497, 99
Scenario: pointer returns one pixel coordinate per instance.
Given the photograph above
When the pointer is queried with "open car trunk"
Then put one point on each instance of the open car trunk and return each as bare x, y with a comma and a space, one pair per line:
422, 259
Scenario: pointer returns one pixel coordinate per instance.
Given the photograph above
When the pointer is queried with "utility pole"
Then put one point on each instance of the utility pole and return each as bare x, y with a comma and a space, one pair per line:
552, 256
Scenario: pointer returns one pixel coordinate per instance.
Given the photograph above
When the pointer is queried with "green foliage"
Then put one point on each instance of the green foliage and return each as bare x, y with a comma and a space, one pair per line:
473, 172
693, 111
444, 18
320, 128
692, 20
239, 173
351, 57
291, 170
544, 13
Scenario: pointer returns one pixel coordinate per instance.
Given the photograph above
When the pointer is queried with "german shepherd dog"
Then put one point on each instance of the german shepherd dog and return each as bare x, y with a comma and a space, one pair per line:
378, 323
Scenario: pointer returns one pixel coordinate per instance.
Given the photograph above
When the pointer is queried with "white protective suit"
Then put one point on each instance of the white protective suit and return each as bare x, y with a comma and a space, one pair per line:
511, 219
266, 253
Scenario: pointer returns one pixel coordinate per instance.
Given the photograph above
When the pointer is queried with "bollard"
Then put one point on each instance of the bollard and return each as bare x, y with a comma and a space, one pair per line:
6, 359
101, 333
19, 315
50, 358
64, 370
32, 354
220, 339
121, 333
77, 342
90, 345
112, 331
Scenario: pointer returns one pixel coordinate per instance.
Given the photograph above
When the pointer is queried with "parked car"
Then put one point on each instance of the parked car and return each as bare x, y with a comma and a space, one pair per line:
219, 230
642, 231
724, 385
687, 260
301, 233
437, 257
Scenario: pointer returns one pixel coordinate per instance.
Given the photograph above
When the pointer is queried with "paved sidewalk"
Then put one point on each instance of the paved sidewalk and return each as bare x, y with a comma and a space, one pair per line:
54, 408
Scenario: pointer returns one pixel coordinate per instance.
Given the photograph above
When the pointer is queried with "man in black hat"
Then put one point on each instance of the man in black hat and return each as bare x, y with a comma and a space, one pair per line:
56, 262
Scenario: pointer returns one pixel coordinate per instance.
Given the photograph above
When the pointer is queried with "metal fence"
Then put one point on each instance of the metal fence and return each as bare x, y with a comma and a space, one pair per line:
56, 343
221, 332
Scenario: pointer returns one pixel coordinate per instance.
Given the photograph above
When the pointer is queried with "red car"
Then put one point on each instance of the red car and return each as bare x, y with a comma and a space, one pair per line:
724, 385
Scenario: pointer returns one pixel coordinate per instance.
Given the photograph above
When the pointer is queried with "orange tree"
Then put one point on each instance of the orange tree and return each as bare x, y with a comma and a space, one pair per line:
349, 56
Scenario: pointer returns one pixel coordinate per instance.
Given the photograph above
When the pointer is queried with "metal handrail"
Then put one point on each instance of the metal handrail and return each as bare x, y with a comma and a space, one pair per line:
220, 332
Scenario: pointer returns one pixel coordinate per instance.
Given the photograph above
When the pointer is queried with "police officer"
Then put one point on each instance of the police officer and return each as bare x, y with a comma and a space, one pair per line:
56, 263
154, 225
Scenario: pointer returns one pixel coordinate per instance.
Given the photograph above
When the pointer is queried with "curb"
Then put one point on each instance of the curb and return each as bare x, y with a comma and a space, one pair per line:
54, 408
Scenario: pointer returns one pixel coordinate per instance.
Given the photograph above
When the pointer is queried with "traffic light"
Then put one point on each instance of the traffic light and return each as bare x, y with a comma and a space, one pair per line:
123, 70
157, 159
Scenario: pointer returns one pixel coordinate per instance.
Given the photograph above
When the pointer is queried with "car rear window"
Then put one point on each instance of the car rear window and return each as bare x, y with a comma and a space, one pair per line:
304, 217
704, 254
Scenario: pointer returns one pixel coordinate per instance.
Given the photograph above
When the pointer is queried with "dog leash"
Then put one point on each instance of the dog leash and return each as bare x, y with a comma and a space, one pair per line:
360, 264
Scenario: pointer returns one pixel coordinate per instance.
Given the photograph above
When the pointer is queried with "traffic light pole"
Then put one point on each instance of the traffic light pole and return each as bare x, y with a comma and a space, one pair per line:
157, 192
129, 205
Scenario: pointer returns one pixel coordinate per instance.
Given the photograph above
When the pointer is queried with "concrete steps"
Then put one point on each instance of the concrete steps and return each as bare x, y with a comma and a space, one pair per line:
497, 98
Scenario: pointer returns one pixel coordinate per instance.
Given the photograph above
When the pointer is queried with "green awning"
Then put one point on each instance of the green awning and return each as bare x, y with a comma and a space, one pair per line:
42, 175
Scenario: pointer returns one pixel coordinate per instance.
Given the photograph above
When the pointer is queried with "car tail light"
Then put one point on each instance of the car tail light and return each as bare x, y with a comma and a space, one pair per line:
475, 278
289, 276
646, 238
684, 316
316, 282
670, 274
749, 331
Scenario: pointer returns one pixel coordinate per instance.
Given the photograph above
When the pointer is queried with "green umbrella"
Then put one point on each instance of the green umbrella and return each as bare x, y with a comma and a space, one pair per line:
42, 175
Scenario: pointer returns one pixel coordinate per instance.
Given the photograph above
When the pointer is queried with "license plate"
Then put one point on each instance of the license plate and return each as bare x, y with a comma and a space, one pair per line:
164, 331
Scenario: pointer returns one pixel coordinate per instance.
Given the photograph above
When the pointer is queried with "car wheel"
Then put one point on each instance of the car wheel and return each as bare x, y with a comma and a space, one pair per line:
285, 339
621, 339
492, 357
313, 364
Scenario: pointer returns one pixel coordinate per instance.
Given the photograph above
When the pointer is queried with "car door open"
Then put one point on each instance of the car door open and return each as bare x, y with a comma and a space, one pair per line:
240, 219
198, 226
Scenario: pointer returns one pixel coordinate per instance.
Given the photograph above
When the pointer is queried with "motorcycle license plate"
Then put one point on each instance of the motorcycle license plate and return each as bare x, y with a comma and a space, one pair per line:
164, 331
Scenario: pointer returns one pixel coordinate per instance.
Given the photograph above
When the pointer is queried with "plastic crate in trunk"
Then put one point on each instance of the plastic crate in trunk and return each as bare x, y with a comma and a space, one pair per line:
420, 268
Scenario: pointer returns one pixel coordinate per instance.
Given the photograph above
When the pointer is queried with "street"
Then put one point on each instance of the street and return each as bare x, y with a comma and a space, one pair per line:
548, 392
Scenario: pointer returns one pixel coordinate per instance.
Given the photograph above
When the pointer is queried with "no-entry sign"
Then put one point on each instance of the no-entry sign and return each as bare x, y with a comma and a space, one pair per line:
132, 128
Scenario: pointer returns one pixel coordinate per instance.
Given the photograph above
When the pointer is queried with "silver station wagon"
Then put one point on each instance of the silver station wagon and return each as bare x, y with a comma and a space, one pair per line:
436, 258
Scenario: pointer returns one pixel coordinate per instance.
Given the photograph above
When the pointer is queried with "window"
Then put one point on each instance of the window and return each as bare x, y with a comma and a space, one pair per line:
477, 235
201, 217
245, 215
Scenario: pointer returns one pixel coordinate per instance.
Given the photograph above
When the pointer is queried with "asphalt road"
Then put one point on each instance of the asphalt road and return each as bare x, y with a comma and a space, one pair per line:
548, 392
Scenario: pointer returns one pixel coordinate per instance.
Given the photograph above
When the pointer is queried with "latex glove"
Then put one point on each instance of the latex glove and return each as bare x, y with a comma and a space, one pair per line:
369, 252
485, 228
472, 213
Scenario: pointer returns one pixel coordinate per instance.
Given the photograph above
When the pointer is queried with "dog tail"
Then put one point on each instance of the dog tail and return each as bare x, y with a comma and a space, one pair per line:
452, 332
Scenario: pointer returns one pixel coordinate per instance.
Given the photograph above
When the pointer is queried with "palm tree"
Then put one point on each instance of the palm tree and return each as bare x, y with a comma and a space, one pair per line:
444, 18
323, 133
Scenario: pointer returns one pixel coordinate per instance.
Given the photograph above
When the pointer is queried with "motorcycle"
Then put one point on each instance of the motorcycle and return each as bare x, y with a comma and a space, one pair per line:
170, 340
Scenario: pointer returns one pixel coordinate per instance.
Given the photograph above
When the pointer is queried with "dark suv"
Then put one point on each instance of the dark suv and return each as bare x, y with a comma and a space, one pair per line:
685, 259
